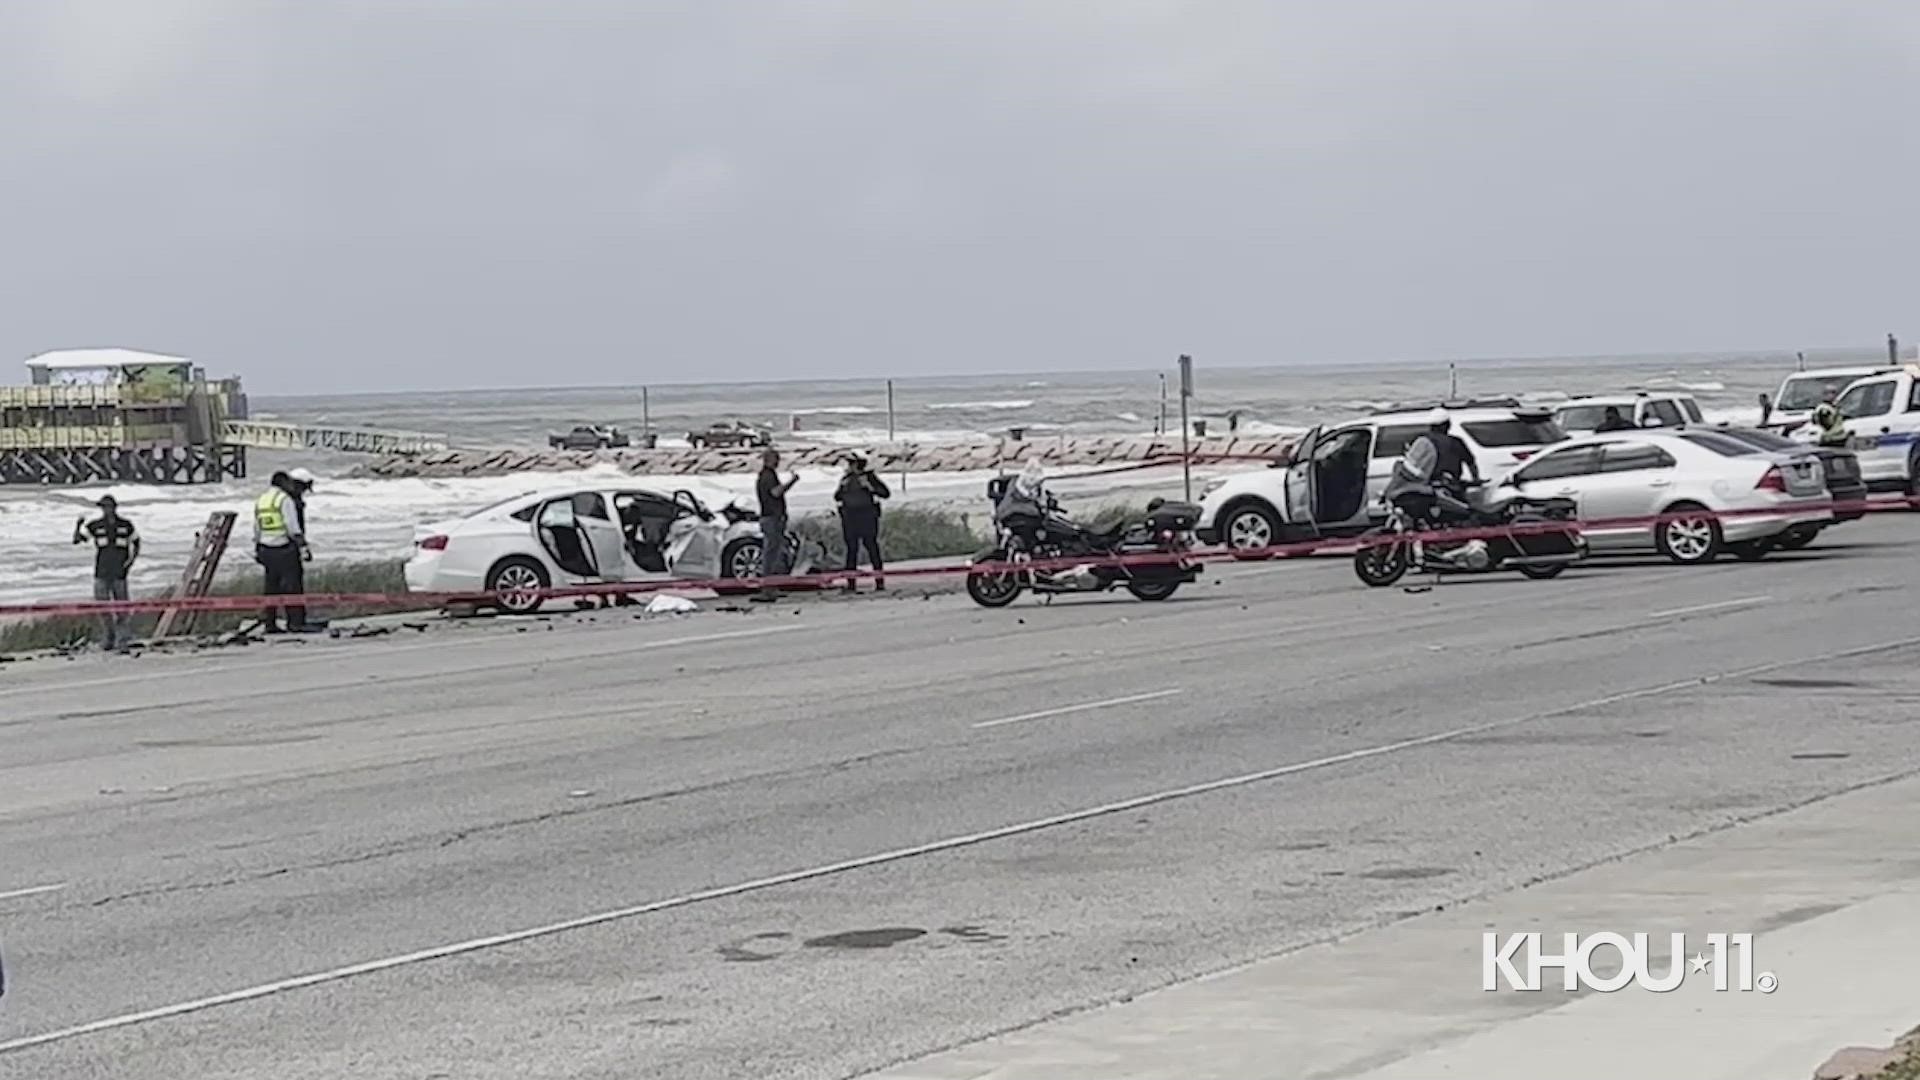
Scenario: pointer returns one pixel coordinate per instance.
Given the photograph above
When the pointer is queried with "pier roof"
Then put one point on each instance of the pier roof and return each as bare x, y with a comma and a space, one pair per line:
100, 358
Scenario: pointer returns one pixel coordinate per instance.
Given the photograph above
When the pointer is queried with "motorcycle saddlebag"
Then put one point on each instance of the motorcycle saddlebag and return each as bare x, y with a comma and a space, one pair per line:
1179, 517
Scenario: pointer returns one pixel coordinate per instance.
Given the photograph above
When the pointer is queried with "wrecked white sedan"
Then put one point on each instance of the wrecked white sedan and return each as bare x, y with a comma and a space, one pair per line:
519, 548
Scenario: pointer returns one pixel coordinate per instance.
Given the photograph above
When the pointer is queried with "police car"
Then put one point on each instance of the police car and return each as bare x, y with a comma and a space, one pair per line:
1802, 392
1882, 414
1332, 482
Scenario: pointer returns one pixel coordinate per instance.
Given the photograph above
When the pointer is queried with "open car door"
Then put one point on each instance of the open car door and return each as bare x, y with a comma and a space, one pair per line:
604, 537
695, 540
560, 536
1300, 482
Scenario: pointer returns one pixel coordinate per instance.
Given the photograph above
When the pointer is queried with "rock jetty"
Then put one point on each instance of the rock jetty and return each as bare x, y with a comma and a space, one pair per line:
1117, 450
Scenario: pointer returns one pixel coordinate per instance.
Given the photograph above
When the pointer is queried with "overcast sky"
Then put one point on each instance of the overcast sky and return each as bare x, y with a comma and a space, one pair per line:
384, 194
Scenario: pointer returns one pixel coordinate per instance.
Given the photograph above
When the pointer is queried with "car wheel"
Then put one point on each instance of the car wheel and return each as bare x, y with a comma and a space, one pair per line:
1751, 550
1797, 537
1250, 529
1686, 539
1913, 478
518, 585
741, 558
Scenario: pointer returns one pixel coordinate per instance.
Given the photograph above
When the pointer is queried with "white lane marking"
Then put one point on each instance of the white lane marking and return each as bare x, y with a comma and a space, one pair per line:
330, 655
34, 891
440, 952
1084, 707
1723, 605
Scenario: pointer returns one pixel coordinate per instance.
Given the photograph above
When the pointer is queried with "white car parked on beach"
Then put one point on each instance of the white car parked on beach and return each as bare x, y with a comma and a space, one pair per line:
1332, 484
582, 536
1644, 409
1624, 480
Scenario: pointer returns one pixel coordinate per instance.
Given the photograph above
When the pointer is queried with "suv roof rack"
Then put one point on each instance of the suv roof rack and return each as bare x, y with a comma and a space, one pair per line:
1456, 403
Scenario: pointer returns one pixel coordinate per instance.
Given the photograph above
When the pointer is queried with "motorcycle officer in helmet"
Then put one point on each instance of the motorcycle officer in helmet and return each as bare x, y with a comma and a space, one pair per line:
1434, 463
1023, 507
1436, 459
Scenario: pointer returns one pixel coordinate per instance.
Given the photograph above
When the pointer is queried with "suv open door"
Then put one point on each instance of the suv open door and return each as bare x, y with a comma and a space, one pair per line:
1300, 485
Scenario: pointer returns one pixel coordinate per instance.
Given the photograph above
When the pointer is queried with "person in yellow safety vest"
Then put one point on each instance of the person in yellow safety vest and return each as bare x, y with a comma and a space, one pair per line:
1828, 421
280, 545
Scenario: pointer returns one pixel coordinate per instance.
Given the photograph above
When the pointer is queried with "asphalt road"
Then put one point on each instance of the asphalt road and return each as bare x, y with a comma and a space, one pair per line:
818, 839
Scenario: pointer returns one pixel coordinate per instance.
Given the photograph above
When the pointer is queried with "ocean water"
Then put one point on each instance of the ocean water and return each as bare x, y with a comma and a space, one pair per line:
356, 517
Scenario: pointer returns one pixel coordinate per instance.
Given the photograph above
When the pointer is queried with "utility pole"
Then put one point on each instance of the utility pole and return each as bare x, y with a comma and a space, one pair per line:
1161, 427
1893, 350
1186, 428
903, 471
646, 419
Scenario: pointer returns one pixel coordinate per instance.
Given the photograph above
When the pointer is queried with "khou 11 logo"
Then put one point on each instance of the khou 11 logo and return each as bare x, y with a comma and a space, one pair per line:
1575, 963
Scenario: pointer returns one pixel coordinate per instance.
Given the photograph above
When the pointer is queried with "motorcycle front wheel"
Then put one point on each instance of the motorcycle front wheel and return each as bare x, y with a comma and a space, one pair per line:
993, 589
1381, 562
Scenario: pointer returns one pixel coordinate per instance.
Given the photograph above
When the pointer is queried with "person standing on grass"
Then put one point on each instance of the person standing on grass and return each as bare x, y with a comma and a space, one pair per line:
859, 496
773, 522
116, 544
280, 547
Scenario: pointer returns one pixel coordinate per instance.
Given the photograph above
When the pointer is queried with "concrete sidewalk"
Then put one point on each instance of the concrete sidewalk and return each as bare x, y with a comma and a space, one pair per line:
1830, 891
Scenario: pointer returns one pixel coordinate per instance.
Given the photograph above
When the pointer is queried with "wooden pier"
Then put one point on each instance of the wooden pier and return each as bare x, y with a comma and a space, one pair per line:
117, 416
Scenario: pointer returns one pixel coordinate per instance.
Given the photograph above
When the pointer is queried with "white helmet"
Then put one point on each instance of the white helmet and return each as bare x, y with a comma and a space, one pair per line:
1438, 417
302, 476
1032, 476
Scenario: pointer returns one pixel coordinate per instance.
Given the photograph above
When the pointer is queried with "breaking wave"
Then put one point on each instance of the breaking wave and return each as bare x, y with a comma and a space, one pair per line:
950, 406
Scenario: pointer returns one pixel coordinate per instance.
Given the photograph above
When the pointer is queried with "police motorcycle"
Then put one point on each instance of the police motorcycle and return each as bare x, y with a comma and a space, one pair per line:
1037, 547
1537, 537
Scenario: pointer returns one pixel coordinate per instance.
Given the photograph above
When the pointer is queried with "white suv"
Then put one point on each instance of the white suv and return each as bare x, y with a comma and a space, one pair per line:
1332, 482
1582, 415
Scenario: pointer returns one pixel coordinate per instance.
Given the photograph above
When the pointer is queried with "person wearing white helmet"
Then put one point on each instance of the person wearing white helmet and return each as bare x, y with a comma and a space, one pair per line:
1023, 507
280, 545
1437, 458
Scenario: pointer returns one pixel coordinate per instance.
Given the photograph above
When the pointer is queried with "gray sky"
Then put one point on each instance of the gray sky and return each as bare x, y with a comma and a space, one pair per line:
374, 194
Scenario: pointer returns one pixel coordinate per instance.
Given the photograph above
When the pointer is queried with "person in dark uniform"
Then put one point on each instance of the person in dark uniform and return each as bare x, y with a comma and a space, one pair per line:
116, 544
1455, 458
859, 496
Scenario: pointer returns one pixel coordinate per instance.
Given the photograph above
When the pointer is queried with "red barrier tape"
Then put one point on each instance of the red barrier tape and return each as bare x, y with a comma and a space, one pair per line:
430, 600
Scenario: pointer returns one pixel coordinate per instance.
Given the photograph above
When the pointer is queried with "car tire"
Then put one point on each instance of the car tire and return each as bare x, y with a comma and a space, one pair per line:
741, 558
1688, 541
1751, 550
1797, 537
1249, 527
517, 584
1913, 478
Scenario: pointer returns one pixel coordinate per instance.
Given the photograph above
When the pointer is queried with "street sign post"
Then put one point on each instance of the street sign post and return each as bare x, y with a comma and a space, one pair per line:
1186, 426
